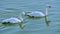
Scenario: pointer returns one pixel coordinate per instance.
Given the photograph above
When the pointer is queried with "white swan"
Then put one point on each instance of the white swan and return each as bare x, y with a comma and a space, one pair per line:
13, 20
37, 13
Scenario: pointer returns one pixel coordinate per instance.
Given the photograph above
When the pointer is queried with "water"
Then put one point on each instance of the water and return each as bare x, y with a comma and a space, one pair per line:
12, 8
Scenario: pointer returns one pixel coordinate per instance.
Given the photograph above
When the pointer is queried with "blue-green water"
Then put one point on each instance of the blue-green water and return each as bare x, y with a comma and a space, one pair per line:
12, 8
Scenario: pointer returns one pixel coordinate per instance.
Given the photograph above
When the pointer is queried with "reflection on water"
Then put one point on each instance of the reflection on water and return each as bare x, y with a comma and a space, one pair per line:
12, 24
47, 21
9, 24
21, 25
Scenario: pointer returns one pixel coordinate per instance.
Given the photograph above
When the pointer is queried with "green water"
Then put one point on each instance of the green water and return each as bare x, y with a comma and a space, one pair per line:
12, 8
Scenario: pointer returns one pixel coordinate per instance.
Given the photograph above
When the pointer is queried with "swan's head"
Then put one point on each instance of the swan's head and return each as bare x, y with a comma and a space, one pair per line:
48, 5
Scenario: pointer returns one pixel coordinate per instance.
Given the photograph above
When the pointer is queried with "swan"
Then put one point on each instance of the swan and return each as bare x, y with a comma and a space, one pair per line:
37, 13
12, 20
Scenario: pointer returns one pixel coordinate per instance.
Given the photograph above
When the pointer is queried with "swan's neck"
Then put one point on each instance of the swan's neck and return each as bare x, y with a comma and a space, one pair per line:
46, 11
23, 13
20, 18
47, 7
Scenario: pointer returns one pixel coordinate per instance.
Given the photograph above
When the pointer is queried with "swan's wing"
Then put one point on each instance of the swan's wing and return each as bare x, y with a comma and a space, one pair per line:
36, 14
12, 20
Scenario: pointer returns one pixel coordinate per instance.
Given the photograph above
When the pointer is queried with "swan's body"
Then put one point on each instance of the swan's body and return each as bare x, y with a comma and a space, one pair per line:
37, 13
34, 14
11, 20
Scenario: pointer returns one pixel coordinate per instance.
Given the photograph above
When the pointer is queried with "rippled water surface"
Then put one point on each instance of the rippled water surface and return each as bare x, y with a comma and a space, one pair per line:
12, 8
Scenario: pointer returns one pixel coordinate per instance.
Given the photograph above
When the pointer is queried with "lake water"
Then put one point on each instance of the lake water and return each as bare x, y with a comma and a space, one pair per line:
12, 8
